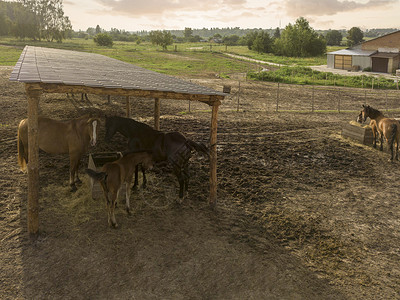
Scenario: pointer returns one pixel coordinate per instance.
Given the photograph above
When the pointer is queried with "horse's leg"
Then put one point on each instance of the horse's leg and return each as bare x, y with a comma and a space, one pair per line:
186, 177
136, 183
144, 177
179, 175
111, 210
381, 140
73, 169
127, 196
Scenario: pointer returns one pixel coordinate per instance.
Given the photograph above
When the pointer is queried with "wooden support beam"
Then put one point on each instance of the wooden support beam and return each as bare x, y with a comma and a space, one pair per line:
157, 114
128, 110
213, 155
33, 92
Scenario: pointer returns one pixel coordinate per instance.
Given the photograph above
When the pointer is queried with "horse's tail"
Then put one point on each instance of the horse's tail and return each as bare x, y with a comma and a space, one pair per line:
394, 134
199, 147
99, 176
21, 151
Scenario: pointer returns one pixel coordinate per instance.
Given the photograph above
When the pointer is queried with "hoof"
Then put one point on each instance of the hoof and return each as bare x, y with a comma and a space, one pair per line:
134, 188
128, 211
73, 188
78, 181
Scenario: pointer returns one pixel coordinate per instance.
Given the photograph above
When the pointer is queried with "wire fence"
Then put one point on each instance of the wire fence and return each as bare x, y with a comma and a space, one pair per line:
276, 97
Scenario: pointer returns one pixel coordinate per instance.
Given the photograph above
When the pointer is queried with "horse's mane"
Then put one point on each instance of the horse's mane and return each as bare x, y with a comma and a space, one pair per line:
374, 112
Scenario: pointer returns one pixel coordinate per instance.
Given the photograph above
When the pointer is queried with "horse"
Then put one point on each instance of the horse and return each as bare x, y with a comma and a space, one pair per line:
373, 126
388, 128
60, 137
172, 147
114, 174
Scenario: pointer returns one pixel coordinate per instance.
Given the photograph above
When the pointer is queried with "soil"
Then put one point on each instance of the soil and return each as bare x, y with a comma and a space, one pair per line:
302, 213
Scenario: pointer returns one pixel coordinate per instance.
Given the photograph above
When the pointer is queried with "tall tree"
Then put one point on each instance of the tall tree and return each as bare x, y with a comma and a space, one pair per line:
300, 40
188, 33
354, 36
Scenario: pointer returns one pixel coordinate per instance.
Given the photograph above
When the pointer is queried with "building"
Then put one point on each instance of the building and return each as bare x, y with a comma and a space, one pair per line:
381, 54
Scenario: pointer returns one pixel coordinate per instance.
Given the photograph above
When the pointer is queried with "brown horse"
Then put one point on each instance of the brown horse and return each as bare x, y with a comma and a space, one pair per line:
373, 126
59, 137
388, 128
114, 174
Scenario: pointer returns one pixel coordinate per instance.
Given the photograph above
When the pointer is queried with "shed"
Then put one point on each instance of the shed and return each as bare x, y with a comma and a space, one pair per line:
348, 59
46, 70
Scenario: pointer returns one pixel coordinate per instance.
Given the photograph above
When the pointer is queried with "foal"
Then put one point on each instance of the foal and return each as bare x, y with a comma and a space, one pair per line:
373, 126
114, 174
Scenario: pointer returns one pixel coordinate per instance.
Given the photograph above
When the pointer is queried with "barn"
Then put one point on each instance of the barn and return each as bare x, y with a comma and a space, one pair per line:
381, 54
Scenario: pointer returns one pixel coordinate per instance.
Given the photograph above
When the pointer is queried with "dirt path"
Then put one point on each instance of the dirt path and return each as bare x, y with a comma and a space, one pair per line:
302, 213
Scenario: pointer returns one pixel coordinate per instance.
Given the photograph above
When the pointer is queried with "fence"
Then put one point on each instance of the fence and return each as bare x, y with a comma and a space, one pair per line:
276, 97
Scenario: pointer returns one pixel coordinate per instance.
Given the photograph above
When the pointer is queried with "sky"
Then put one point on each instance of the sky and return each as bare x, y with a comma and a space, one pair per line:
137, 15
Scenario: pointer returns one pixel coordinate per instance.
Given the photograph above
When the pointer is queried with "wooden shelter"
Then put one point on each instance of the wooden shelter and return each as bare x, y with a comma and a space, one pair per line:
46, 70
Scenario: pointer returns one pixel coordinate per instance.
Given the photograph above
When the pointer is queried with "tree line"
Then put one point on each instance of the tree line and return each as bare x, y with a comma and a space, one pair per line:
35, 19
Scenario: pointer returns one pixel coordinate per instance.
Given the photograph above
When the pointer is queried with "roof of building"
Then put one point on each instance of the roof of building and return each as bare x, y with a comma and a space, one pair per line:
353, 52
66, 67
385, 54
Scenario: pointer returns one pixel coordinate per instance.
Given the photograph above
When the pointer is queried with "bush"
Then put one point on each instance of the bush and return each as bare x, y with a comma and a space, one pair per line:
103, 39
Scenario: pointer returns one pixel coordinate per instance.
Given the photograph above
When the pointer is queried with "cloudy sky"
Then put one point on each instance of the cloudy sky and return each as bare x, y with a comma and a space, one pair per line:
134, 15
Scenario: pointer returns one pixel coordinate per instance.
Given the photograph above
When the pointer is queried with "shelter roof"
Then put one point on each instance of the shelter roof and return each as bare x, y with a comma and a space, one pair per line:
81, 69
353, 52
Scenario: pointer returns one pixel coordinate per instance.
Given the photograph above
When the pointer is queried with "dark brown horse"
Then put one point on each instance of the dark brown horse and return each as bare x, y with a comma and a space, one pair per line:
388, 128
59, 137
171, 147
114, 174
373, 126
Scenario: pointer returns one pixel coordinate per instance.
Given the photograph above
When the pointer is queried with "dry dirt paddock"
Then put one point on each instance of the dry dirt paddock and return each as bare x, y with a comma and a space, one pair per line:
302, 213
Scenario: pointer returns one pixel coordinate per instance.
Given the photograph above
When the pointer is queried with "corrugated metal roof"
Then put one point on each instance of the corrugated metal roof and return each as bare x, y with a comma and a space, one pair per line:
48, 65
353, 52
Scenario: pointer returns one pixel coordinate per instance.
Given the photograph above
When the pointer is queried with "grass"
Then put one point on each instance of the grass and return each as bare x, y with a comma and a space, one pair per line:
307, 76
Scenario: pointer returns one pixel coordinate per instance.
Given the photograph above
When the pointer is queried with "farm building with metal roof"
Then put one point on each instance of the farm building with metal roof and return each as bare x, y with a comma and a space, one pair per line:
381, 54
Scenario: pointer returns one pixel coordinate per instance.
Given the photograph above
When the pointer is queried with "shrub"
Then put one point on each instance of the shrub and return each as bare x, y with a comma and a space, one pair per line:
103, 39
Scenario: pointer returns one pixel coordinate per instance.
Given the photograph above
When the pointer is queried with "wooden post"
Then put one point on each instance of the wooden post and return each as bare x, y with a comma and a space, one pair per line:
312, 104
213, 155
33, 92
277, 99
238, 98
157, 114
128, 110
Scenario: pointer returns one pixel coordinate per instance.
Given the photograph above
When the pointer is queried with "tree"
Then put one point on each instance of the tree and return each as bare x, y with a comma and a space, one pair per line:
50, 19
333, 38
161, 38
98, 29
277, 33
354, 36
188, 33
231, 40
103, 39
262, 42
299, 40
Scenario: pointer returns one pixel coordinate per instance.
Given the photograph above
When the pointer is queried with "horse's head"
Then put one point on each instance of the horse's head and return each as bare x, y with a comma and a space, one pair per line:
360, 117
110, 129
93, 125
365, 113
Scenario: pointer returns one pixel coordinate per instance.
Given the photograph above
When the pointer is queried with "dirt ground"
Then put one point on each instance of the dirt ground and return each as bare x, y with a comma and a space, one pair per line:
302, 213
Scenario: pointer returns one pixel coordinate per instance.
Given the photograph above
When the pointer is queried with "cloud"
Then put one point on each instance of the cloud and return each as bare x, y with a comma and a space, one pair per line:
159, 7
296, 8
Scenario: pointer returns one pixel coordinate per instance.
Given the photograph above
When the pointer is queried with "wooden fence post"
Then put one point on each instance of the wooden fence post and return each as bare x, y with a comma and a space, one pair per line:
312, 104
213, 154
157, 114
277, 99
238, 99
33, 92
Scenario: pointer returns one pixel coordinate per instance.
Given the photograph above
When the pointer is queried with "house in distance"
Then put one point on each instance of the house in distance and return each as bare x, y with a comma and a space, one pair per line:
380, 55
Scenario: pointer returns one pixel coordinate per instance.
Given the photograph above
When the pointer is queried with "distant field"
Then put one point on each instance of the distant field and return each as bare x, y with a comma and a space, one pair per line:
187, 59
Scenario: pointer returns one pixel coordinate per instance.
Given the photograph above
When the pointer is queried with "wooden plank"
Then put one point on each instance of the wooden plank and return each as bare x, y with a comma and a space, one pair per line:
33, 92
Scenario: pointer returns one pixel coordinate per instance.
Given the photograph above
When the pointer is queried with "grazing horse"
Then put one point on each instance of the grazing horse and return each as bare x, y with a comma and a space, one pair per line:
172, 147
388, 128
114, 174
373, 126
59, 137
